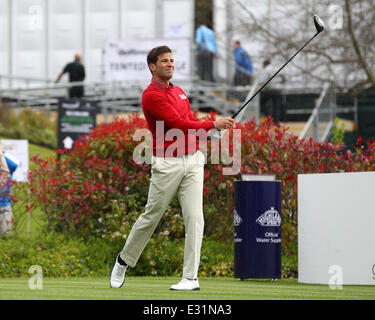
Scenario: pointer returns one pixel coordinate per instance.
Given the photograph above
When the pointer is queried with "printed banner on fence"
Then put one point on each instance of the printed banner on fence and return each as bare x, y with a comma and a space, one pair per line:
127, 59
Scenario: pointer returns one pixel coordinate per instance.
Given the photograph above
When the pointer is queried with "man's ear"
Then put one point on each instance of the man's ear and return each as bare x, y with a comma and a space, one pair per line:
152, 67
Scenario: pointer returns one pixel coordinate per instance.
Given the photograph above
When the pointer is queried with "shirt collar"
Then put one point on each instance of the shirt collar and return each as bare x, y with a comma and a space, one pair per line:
161, 85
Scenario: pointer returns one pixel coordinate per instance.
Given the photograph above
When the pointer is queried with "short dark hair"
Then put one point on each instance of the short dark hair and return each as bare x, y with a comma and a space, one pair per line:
154, 53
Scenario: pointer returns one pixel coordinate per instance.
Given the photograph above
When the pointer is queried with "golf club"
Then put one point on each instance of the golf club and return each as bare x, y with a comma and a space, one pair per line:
319, 25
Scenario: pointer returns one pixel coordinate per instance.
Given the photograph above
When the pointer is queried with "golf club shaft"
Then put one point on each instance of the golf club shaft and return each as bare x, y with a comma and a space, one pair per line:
261, 88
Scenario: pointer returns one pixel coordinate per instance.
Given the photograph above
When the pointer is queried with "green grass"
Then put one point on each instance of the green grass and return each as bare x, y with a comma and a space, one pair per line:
157, 288
43, 153
21, 221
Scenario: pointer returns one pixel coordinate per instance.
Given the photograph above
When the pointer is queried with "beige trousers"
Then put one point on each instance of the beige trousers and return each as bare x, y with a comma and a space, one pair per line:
170, 176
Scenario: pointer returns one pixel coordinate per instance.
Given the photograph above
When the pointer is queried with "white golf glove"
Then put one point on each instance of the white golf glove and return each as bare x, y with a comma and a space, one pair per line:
216, 134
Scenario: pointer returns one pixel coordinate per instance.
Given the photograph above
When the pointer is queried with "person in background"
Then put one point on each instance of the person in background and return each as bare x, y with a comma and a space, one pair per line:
76, 71
271, 94
4, 171
6, 213
206, 51
244, 68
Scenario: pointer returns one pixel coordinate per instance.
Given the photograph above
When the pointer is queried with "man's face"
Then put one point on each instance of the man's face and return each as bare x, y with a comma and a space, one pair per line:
164, 67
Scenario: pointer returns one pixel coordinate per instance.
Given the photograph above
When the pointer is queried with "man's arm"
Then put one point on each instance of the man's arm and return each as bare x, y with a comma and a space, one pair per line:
59, 77
65, 70
199, 39
219, 124
161, 110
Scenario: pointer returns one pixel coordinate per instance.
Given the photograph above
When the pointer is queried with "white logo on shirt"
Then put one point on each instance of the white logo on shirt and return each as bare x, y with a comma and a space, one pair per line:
182, 96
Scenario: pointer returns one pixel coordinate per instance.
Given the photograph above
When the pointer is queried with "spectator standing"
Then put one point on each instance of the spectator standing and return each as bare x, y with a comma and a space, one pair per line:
76, 71
6, 213
271, 94
244, 68
4, 171
206, 51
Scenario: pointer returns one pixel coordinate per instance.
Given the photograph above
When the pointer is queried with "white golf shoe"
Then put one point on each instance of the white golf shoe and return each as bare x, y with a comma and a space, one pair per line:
118, 275
186, 285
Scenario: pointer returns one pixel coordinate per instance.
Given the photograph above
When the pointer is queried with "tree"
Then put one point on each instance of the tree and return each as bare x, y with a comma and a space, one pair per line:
344, 54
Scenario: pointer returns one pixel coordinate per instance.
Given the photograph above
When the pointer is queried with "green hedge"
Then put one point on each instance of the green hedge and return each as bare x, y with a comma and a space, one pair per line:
36, 126
61, 256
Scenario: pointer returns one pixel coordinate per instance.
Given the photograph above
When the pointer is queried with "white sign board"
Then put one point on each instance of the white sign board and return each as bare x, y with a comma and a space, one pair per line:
126, 60
18, 149
336, 223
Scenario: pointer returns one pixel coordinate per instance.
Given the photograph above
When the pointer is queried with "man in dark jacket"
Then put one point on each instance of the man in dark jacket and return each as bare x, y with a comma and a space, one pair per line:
76, 72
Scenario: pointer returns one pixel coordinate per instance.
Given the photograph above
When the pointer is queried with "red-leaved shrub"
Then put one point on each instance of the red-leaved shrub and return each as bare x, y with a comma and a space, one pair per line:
98, 188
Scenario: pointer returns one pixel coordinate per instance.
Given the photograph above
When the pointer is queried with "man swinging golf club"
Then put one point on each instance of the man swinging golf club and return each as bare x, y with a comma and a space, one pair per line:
179, 172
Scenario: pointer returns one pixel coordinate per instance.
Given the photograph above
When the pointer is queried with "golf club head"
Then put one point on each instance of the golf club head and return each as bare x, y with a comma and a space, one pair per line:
319, 24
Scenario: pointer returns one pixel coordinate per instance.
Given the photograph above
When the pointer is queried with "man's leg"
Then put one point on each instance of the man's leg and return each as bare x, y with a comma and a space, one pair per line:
276, 105
264, 108
201, 64
190, 195
71, 92
206, 66
80, 92
165, 179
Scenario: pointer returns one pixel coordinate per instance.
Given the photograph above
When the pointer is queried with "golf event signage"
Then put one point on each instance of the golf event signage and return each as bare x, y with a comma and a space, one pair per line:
257, 229
127, 59
336, 223
76, 117
270, 218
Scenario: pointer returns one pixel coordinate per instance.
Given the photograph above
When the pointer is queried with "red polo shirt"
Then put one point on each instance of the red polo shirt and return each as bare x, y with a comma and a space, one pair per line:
170, 106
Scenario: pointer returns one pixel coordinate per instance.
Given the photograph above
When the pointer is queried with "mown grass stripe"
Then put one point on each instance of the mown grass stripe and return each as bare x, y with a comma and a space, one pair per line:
148, 288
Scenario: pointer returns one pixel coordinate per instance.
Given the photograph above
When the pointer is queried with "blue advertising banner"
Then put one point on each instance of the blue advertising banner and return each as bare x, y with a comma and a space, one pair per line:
257, 229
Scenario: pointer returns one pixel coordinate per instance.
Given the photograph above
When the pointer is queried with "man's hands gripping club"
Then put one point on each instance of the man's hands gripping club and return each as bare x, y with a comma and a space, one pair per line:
221, 126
